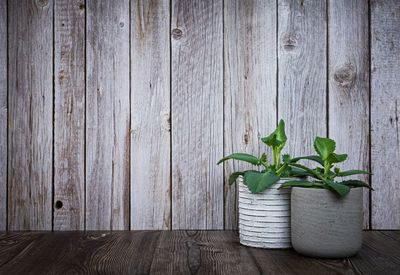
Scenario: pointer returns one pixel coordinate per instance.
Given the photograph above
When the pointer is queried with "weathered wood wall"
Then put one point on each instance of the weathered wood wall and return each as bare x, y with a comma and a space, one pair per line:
113, 114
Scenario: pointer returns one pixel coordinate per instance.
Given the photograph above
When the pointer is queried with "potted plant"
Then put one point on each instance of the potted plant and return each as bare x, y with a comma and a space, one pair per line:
264, 209
327, 213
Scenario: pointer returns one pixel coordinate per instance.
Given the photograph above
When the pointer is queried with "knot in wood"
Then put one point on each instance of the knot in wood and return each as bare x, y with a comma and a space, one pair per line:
345, 76
42, 3
290, 41
177, 33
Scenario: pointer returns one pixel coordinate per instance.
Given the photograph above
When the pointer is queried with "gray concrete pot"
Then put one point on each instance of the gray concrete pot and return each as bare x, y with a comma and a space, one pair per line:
324, 225
264, 218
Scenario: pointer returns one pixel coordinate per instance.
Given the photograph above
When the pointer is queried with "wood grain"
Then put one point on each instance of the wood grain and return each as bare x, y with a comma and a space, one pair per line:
349, 85
302, 67
3, 115
31, 109
179, 252
249, 85
150, 107
81, 253
201, 252
197, 120
107, 115
385, 113
69, 112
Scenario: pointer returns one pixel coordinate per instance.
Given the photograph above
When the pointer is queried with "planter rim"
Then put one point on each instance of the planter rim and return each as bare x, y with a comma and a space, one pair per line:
320, 189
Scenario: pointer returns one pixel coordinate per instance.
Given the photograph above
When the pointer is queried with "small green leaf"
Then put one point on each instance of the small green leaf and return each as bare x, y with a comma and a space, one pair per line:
324, 147
263, 158
277, 138
356, 183
312, 157
234, 176
351, 173
242, 157
339, 188
286, 158
299, 183
336, 158
257, 181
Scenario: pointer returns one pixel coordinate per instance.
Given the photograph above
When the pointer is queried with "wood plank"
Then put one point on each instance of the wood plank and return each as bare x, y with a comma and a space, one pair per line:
379, 254
107, 115
17, 245
31, 109
89, 253
349, 85
69, 112
3, 115
385, 113
289, 262
201, 252
302, 67
197, 120
150, 107
249, 85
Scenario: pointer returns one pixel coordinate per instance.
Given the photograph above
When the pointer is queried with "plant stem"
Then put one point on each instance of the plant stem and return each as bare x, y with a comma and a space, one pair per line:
279, 171
276, 158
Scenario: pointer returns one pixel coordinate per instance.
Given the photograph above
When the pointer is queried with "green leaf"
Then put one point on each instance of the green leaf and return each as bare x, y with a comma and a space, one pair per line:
312, 157
242, 157
263, 158
351, 173
257, 181
276, 139
299, 183
234, 176
324, 147
356, 183
339, 188
297, 172
286, 158
335, 158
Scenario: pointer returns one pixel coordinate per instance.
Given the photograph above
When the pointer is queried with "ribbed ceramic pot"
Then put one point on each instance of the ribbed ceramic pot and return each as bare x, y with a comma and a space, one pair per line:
324, 225
264, 218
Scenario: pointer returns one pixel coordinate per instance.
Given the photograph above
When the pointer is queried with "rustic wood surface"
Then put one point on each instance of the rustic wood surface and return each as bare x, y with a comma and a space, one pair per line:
197, 114
385, 113
107, 115
249, 86
3, 115
30, 103
150, 114
69, 115
349, 85
180, 252
302, 73
144, 97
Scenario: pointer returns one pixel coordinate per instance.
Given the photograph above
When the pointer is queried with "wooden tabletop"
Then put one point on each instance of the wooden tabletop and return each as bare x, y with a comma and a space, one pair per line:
180, 252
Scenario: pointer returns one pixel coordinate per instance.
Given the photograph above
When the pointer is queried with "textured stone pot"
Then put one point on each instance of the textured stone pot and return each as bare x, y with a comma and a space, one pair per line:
264, 218
324, 225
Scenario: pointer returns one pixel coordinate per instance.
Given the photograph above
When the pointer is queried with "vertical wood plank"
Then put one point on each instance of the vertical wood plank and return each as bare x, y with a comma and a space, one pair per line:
31, 110
249, 85
69, 127
107, 115
3, 115
302, 72
197, 114
385, 113
349, 84
150, 107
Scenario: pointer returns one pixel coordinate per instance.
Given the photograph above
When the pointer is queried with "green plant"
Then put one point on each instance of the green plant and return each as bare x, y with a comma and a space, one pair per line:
257, 181
324, 176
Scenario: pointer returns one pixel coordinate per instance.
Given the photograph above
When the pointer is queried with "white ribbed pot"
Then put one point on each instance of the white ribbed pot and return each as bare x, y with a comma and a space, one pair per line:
264, 218
324, 225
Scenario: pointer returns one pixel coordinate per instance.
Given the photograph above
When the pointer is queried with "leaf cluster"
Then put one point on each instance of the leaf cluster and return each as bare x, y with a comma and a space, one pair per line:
326, 174
270, 173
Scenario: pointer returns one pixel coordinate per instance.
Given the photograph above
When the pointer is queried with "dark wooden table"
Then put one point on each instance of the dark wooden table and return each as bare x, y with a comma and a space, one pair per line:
180, 252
